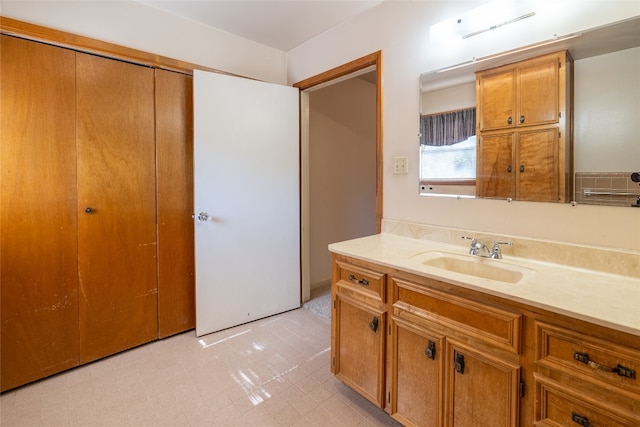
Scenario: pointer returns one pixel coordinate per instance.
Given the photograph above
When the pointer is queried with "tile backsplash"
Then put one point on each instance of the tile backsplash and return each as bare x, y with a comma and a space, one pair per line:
613, 184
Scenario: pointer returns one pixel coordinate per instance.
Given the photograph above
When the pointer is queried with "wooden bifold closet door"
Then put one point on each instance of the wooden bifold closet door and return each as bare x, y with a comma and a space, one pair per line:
38, 221
116, 205
96, 200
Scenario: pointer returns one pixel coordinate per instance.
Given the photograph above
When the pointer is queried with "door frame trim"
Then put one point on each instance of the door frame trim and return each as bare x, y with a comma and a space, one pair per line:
373, 59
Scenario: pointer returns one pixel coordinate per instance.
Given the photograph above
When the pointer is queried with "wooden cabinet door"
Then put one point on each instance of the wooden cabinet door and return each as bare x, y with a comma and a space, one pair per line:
482, 390
537, 165
417, 375
495, 95
360, 347
495, 177
39, 273
538, 92
174, 152
116, 206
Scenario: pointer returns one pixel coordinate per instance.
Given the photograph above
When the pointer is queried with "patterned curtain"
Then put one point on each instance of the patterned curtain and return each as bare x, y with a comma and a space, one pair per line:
447, 128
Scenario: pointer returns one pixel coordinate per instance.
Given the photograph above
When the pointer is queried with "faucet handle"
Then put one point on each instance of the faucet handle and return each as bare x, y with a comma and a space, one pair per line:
496, 252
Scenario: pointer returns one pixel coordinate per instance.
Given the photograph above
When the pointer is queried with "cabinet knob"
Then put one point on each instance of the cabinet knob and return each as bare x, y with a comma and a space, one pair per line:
521, 168
509, 168
521, 119
373, 325
89, 210
509, 120
430, 350
458, 363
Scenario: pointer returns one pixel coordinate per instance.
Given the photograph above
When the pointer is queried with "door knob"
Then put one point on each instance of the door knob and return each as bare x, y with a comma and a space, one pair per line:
203, 216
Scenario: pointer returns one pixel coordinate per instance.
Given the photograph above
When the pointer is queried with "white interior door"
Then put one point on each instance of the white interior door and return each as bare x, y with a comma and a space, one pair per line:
246, 197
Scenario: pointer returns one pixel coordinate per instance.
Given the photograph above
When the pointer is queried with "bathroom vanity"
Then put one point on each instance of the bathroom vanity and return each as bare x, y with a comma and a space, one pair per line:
437, 336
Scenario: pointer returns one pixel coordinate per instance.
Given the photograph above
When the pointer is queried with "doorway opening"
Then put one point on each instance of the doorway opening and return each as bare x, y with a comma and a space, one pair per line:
341, 165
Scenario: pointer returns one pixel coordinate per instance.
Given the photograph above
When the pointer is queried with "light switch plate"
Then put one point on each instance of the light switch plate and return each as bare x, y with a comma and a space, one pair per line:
400, 165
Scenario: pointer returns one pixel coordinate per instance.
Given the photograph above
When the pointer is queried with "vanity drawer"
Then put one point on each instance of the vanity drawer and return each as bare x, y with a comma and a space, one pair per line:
500, 327
362, 280
562, 406
591, 358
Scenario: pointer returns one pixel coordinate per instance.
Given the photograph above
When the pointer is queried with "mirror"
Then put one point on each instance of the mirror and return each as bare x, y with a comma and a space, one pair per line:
606, 112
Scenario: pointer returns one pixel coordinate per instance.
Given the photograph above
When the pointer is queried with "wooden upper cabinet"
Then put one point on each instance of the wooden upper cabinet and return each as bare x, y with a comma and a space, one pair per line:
522, 94
537, 165
495, 166
524, 130
38, 272
496, 99
538, 91
116, 206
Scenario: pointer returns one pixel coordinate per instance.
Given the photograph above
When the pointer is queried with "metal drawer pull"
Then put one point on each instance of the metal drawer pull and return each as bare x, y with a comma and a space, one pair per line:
580, 419
363, 282
619, 369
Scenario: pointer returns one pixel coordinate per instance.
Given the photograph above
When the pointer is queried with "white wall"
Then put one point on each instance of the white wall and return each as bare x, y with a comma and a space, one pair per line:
131, 24
607, 114
342, 169
400, 29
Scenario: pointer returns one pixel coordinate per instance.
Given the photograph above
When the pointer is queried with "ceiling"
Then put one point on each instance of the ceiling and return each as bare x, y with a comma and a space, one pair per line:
282, 25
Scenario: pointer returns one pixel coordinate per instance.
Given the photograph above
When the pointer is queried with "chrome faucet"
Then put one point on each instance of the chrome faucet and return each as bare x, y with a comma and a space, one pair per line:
480, 249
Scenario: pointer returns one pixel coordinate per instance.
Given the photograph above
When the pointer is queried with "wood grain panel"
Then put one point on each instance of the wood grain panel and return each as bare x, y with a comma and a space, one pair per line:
496, 98
116, 179
537, 165
38, 212
174, 150
417, 381
495, 166
360, 350
538, 95
485, 393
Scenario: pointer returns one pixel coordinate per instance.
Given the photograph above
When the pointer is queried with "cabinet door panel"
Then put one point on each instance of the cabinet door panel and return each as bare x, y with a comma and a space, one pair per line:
537, 170
496, 95
538, 95
360, 348
38, 219
116, 180
416, 391
174, 147
559, 405
484, 393
495, 169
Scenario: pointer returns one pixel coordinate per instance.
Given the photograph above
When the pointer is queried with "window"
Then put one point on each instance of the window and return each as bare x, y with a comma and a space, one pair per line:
448, 147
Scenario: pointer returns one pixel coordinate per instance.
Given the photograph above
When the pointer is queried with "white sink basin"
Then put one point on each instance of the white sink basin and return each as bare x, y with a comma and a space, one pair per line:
475, 266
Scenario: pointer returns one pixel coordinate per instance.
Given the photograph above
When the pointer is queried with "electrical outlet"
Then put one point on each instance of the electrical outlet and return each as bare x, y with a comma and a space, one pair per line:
400, 165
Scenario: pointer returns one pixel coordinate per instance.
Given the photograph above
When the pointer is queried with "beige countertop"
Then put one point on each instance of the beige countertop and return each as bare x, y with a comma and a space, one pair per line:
609, 300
